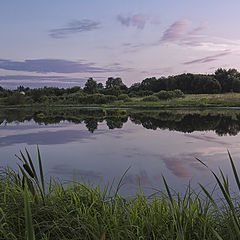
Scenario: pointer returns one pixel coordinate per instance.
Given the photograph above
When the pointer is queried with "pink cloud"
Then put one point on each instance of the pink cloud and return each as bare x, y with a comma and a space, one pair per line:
175, 31
139, 20
155, 20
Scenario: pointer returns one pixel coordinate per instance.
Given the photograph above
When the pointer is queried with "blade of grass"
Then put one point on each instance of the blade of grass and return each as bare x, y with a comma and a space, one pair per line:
225, 191
217, 235
31, 164
210, 197
120, 181
41, 170
168, 191
28, 217
234, 171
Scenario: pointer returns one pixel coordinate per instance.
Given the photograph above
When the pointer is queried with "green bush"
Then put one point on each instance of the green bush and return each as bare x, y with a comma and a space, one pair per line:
96, 99
151, 98
123, 97
165, 95
178, 93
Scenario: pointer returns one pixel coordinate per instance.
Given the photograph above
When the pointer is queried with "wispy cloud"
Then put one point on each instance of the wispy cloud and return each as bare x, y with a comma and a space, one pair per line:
73, 27
55, 66
181, 33
196, 30
138, 20
39, 79
36, 78
12, 81
209, 58
175, 31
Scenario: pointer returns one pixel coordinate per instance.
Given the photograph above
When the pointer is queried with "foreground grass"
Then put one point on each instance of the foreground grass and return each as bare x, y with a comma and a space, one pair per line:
190, 100
84, 211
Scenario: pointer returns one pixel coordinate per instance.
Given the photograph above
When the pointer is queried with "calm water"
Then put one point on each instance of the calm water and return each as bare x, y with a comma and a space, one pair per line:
101, 145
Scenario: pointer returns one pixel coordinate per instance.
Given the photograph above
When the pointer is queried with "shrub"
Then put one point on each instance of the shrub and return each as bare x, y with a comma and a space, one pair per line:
165, 95
96, 99
123, 97
178, 93
133, 94
151, 98
74, 97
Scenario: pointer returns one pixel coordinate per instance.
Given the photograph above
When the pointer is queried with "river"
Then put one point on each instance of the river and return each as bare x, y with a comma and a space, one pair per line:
100, 145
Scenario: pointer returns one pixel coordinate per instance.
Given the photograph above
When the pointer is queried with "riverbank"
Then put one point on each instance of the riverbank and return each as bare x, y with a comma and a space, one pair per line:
189, 101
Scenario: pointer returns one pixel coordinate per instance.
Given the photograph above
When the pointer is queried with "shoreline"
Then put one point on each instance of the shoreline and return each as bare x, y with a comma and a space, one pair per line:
190, 101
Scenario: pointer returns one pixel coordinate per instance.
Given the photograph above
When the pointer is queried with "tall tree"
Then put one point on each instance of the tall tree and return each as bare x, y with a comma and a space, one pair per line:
91, 86
226, 77
148, 84
115, 82
115, 86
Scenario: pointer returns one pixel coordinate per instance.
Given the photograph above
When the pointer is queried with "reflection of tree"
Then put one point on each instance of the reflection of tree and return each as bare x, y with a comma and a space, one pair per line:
189, 122
196, 122
222, 123
91, 124
115, 117
115, 122
150, 124
228, 126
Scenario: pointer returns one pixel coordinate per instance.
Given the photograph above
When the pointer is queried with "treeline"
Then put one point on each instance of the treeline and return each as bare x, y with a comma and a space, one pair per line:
222, 81
92, 93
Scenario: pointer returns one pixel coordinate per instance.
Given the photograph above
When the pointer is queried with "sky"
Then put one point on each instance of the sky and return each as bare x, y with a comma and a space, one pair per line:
64, 42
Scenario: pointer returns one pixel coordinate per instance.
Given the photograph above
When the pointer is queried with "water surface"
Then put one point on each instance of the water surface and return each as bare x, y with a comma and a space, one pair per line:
100, 145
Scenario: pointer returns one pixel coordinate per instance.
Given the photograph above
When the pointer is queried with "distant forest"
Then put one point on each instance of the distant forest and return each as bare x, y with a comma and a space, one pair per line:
222, 81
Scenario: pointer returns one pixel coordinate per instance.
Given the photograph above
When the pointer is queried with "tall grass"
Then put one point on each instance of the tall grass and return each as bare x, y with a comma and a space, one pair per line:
86, 211
30, 235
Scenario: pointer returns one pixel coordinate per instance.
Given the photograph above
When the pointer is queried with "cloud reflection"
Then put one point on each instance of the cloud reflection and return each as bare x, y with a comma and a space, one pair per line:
48, 137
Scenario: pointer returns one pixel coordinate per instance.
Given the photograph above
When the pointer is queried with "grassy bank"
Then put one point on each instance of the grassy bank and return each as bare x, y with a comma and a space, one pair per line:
190, 100
31, 210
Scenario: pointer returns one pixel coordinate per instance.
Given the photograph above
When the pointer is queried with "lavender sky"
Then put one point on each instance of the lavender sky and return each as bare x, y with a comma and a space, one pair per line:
64, 42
